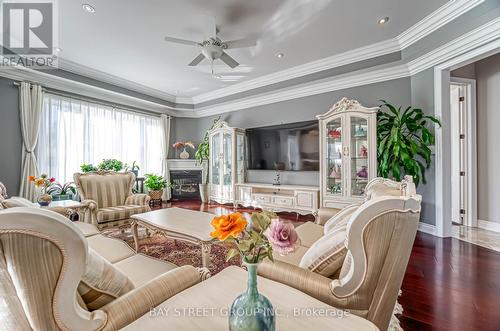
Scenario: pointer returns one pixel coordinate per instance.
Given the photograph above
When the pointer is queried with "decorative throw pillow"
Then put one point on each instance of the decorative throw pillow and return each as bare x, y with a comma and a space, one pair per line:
17, 202
340, 219
327, 254
102, 282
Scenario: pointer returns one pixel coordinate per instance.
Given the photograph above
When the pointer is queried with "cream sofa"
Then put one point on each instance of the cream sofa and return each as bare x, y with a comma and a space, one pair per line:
109, 198
42, 261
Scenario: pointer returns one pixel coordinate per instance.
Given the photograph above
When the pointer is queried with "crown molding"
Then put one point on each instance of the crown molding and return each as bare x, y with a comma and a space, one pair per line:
19, 73
482, 35
308, 89
440, 17
91, 73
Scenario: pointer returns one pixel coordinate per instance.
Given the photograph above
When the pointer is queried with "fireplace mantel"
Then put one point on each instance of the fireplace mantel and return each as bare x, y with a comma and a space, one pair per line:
185, 164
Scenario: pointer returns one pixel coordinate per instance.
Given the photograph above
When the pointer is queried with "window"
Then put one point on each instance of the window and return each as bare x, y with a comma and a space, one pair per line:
73, 132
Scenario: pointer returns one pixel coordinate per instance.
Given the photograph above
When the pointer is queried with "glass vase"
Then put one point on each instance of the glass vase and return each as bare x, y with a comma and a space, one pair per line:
251, 310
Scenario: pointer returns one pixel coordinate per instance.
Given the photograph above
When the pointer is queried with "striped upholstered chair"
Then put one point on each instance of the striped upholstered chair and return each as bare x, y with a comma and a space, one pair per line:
109, 198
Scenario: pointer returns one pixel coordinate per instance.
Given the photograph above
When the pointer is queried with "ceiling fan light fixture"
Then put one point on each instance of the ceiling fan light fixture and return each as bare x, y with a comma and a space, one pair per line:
88, 8
383, 20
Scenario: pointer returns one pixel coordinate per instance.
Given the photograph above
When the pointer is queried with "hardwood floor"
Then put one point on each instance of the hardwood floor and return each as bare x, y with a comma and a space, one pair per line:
449, 284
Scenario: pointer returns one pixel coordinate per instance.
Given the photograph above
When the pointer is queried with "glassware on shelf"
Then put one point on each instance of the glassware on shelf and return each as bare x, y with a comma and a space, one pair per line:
363, 173
363, 151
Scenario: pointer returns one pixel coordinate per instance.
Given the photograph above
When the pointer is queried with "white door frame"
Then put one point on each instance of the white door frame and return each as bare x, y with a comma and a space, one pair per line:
443, 137
470, 203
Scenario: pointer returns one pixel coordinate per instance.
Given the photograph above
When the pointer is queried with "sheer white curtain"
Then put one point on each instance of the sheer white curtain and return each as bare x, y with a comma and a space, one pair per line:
73, 132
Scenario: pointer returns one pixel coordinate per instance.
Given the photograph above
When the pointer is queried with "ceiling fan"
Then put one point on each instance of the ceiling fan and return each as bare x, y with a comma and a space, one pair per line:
213, 48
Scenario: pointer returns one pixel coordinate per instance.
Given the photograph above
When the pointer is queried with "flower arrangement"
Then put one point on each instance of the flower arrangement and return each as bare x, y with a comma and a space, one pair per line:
256, 240
183, 144
44, 182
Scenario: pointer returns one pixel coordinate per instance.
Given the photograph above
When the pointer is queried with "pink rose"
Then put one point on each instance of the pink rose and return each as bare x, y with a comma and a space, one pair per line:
282, 236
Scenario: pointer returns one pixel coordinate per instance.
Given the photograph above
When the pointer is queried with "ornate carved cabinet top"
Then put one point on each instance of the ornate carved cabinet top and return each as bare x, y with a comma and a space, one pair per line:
346, 104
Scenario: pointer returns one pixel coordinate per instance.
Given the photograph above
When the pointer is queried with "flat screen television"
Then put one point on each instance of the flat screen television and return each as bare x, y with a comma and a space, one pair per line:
291, 147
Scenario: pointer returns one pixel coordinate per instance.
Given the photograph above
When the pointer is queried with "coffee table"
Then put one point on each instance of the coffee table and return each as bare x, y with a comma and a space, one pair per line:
177, 223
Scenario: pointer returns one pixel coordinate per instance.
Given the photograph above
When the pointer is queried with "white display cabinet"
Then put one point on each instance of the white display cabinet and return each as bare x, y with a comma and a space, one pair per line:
348, 152
227, 161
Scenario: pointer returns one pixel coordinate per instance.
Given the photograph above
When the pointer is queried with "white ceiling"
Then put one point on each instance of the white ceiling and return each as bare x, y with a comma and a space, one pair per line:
124, 38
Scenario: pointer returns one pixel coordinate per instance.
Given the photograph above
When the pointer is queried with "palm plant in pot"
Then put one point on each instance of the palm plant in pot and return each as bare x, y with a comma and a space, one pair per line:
155, 185
404, 138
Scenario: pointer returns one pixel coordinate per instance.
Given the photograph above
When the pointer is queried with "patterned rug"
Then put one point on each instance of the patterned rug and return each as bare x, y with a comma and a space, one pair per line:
175, 251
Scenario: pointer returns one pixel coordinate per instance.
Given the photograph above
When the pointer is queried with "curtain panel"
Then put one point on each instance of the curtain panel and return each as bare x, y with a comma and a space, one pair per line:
30, 108
165, 120
74, 132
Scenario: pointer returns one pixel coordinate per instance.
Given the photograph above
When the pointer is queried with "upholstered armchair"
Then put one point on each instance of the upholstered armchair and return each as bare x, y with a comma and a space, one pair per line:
375, 243
108, 197
43, 257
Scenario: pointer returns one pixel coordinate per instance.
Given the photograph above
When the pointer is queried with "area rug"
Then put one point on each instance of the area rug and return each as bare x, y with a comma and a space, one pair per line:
177, 252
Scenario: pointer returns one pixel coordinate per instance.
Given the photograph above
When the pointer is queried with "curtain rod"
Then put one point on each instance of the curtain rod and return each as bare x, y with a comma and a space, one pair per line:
94, 100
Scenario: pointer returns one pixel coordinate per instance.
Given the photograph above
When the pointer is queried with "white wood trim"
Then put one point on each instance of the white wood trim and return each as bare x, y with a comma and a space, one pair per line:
488, 225
440, 17
442, 111
427, 228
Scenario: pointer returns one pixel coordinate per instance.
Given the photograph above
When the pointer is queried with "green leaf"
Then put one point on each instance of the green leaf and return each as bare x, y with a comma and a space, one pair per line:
231, 253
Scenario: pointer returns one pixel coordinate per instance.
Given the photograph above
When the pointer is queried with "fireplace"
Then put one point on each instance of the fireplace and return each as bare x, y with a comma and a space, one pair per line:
185, 184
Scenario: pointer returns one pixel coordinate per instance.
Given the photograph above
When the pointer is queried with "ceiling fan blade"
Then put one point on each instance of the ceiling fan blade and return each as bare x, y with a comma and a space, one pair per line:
240, 43
210, 27
229, 60
181, 41
196, 60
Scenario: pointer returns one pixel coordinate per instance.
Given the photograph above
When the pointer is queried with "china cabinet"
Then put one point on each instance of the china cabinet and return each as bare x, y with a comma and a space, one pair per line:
348, 152
227, 161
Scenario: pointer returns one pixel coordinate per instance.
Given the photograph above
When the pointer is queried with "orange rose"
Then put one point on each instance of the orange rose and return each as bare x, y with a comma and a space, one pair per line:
31, 178
228, 225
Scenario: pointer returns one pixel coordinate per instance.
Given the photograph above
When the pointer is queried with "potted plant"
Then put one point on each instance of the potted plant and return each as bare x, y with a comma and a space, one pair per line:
110, 165
87, 167
202, 156
134, 168
155, 185
404, 138
62, 192
43, 182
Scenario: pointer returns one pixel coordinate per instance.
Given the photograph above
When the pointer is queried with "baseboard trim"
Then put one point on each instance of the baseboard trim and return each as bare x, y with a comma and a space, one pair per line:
487, 225
427, 228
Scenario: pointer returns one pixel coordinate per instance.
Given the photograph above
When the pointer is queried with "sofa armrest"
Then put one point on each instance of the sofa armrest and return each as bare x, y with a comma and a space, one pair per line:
306, 281
138, 199
88, 210
134, 304
324, 214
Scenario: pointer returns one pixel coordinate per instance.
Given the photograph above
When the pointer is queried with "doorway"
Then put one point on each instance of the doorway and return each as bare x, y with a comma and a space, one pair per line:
463, 151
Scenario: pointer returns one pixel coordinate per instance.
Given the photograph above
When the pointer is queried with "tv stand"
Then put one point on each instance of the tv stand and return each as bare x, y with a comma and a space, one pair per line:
290, 198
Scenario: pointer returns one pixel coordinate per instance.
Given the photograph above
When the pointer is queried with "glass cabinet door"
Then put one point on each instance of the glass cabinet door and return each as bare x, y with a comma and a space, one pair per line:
215, 158
358, 152
226, 165
240, 158
334, 157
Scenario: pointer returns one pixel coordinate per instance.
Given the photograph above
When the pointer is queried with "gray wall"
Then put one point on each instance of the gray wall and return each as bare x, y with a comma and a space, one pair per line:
422, 96
10, 137
488, 136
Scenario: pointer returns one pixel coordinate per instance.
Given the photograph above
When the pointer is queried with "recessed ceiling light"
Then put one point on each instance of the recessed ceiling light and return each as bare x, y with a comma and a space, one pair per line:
58, 50
280, 55
218, 76
383, 20
88, 8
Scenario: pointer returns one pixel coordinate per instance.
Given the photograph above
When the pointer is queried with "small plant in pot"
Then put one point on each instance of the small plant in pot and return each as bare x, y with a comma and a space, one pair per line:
155, 185
110, 165
62, 192
87, 167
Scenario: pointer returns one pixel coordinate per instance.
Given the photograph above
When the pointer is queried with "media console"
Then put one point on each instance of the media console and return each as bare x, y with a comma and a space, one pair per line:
291, 198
